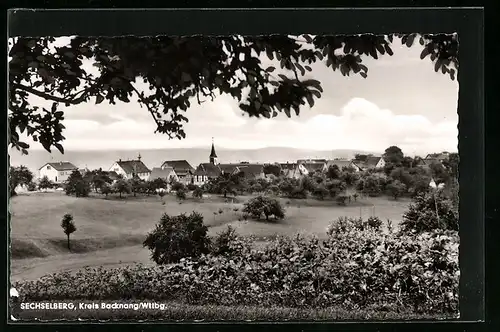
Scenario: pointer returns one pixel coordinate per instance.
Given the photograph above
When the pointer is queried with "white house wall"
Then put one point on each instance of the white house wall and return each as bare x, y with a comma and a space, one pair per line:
54, 175
50, 172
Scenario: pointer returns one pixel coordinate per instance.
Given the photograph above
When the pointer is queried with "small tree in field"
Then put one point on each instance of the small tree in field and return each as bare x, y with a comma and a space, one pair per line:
106, 189
396, 189
77, 185
266, 206
68, 226
122, 187
45, 183
180, 194
178, 186
198, 193
176, 237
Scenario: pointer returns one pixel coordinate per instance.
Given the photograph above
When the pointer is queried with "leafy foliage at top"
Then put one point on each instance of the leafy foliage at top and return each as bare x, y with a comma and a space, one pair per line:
166, 74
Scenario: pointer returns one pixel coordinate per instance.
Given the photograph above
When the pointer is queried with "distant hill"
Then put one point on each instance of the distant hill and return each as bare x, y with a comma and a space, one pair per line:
154, 157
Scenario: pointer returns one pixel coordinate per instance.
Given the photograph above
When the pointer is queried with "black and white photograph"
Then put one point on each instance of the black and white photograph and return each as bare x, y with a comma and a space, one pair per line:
234, 177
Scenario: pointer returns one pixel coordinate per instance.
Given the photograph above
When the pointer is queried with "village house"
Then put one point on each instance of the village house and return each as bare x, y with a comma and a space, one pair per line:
130, 168
57, 172
371, 162
308, 167
250, 171
182, 169
167, 173
206, 172
438, 156
290, 170
343, 164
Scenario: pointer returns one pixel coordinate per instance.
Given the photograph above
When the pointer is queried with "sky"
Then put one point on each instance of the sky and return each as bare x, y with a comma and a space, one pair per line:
402, 102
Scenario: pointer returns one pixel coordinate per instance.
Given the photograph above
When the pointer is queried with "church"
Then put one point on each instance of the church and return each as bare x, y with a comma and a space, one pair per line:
211, 170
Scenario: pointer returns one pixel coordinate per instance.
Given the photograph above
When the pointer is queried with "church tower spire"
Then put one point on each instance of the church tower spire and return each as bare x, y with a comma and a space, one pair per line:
213, 155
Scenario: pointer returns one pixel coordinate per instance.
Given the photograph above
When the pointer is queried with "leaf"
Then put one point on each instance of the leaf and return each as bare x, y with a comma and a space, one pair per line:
59, 147
409, 41
437, 65
310, 100
283, 77
421, 40
308, 68
388, 49
308, 38
270, 69
270, 54
287, 112
23, 145
425, 52
99, 99
363, 74
302, 70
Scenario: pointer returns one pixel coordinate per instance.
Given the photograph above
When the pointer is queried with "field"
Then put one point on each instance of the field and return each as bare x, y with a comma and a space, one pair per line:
110, 232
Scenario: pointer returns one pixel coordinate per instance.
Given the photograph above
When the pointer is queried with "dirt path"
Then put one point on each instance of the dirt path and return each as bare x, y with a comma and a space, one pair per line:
34, 268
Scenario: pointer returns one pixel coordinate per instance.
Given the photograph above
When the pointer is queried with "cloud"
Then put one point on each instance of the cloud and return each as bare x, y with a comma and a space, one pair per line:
361, 124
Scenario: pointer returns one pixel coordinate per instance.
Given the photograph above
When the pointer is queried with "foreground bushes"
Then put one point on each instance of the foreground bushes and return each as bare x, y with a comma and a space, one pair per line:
354, 268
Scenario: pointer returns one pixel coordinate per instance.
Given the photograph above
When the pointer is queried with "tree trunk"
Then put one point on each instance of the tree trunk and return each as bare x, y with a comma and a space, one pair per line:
120, 194
68, 243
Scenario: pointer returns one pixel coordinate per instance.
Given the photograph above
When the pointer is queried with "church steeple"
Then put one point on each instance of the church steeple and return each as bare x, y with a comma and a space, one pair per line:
213, 155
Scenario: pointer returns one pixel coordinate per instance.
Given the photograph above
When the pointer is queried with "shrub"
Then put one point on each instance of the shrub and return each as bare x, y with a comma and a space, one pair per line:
106, 189
320, 192
223, 242
122, 186
354, 269
266, 206
428, 212
177, 237
76, 185
342, 200
31, 186
178, 186
374, 222
198, 192
180, 194
191, 186
396, 189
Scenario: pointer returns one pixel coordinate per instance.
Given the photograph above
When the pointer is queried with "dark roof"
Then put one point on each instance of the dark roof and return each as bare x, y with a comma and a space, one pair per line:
133, 166
314, 166
228, 168
207, 169
439, 156
247, 168
61, 166
112, 175
372, 161
308, 161
212, 153
160, 173
251, 170
179, 166
341, 163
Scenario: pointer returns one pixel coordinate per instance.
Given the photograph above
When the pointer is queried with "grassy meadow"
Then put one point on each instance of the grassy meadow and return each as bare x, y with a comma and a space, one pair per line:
110, 231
